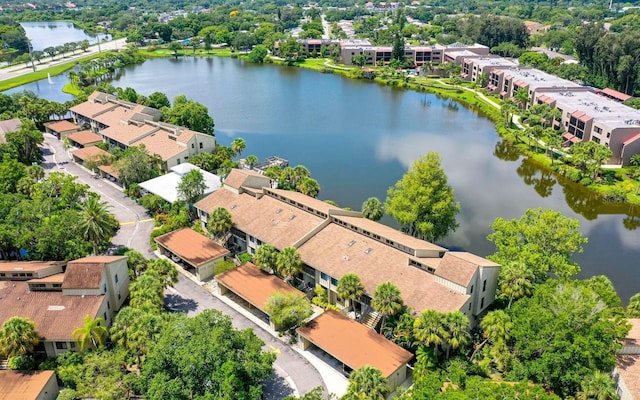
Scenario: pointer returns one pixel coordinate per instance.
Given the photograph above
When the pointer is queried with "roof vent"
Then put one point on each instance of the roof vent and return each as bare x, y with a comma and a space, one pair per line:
345, 257
351, 243
368, 250
279, 210
292, 217
55, 308
233, 206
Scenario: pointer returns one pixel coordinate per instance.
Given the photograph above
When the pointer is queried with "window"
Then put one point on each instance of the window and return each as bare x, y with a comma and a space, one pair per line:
484, 285
597, 129
482, 302
469, 306
116, 278
73, 345
61, 345
57, 285
2, 274
104, 287
108, 305
201, 145
324, 276
471, 291
104, 315
334, 281
193, 146
597, 140
608, 135
119, 297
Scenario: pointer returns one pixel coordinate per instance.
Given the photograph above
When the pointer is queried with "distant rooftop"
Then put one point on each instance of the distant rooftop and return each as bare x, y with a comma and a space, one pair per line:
538, 79
166, 186
602, 109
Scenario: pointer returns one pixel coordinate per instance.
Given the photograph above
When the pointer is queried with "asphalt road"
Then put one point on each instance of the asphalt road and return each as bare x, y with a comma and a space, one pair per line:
291, 369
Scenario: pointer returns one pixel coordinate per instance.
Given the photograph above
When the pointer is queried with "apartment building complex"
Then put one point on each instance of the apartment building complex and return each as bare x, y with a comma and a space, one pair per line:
333, 242
58, 301
123, 124
380, 55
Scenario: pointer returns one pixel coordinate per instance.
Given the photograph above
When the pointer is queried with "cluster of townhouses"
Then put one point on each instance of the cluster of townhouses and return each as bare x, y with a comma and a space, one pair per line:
104, 118
57, 295
587, 114
332, 242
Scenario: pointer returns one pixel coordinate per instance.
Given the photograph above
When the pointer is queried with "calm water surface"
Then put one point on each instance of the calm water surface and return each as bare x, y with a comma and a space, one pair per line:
359, 138
56, 33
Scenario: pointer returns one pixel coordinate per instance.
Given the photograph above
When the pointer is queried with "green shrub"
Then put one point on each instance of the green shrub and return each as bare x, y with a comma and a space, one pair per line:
223, 266
22, 363
245, 258
586, 181
615, 194
67, 394
49, 364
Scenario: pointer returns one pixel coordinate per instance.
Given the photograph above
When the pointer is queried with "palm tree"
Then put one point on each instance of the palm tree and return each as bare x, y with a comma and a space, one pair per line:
220, 221
515, 281
266, 257
350, 288
18, 336
429, 329
496, 328
308, 186
457, 328
147, 292
238, 145
96, 223
251, 160
387, 300
598, 386
553, 142
289, 262
92, 333
372, 209
367, 382
522, 97
166, 270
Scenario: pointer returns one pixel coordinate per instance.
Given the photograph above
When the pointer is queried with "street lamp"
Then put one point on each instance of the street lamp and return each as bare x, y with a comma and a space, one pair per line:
31, 57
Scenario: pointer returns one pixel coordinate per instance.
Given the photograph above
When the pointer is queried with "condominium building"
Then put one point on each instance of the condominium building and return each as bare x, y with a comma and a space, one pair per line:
123, 124
590, 116
333, 242
58, 301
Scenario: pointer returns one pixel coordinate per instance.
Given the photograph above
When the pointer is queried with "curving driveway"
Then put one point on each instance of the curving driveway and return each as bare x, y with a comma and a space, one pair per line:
293, 373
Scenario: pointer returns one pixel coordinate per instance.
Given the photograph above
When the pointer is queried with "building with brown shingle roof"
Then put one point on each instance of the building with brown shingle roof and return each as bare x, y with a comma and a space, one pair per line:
28, 385
355, 345
333, 242
123, 124
627, 370
194, 251
58, 303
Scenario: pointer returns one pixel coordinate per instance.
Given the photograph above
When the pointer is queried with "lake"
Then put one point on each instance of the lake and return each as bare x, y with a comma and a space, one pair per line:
358, 138
56, 33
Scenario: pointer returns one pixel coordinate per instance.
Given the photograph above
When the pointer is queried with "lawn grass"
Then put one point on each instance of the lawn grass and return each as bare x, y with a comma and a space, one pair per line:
71, 89
42, 74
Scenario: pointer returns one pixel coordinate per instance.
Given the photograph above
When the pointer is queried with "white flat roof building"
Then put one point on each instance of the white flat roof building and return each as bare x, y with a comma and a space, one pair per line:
166, 186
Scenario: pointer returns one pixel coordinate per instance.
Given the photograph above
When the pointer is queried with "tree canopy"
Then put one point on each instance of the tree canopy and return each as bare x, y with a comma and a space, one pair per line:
206, 356
543, 240
422, 201
190, 114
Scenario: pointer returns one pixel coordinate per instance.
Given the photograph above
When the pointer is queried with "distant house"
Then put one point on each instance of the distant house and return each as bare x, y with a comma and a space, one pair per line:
627, 370
194, 252
166, 186
58, 302
9, 125
28, 385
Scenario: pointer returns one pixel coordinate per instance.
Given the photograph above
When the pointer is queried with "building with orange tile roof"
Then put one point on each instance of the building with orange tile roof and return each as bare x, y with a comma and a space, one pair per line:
355, 345
333, 242
91, 153
253, 285
28, 385
60, 129
197, 253
84, 139
58, 302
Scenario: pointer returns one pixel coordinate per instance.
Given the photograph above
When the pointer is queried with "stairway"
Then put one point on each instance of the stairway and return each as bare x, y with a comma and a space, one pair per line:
371, 320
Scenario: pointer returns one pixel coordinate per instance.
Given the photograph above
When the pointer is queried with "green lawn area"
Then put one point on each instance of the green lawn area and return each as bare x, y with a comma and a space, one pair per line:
42, 74
187, 52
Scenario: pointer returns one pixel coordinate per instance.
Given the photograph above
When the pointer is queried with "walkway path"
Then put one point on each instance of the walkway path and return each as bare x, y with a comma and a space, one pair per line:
18, 70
